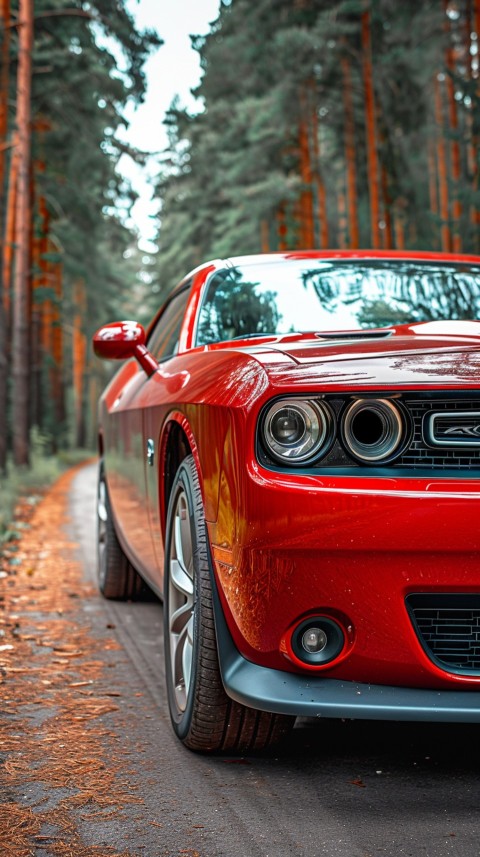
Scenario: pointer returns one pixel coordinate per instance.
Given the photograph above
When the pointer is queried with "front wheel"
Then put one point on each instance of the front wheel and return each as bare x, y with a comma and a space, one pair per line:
202, 714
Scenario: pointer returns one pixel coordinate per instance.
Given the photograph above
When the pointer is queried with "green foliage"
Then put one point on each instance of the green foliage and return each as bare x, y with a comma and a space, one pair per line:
269, 65
87, 67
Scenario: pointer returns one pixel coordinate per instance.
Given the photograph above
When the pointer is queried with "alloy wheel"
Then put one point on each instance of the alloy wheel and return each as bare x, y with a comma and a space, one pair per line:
181, 602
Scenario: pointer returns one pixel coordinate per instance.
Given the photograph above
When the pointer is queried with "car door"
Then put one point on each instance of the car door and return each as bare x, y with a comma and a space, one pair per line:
162, 343
134, 406
125, 461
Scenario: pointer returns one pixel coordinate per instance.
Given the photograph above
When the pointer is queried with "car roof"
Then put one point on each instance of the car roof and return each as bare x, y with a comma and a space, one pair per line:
397, 255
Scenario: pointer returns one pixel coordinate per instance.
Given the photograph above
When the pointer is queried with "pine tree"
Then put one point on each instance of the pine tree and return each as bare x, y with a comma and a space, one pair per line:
77, 202
357, 120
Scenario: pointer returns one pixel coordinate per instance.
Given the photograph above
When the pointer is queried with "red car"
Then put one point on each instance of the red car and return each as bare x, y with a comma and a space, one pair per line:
290, 458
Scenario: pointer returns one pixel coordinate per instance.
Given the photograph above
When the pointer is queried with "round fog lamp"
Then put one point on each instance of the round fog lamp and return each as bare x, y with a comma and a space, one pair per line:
314, 640
318, 641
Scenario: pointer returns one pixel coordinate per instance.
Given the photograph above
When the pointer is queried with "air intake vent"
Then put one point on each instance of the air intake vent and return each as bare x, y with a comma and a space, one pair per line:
353, 334
448, 627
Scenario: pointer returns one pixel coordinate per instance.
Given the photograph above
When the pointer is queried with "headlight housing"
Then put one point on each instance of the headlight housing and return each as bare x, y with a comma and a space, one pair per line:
297, 430
373, 430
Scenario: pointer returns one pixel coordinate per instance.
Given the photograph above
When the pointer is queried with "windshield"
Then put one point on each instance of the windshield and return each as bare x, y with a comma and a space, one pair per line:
295, 296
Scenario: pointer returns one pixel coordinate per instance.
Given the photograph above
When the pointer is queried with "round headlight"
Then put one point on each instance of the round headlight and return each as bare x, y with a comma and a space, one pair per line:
373, 430
296, 431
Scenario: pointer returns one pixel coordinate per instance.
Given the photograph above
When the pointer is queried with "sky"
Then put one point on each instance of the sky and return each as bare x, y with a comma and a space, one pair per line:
173, 70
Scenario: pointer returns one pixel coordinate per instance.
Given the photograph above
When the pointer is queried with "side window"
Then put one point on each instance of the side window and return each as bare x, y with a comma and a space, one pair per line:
163, 340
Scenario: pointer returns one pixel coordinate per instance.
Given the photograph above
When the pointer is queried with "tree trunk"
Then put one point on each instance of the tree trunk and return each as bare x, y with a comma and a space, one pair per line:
399, 219
57, 350
79, 361
9, 242
264, 236
387, 231
319, 183
5, 57
36, 403
20, 340
471, 22
432, 179
342, 221
307, 230
3, 389
350, 160
454, 146
4, 75
5, 302
79, 365
281, 228
445, 238
370, 121
41, 281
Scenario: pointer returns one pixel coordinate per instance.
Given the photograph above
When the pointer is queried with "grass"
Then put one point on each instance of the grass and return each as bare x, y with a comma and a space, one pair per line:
31, 481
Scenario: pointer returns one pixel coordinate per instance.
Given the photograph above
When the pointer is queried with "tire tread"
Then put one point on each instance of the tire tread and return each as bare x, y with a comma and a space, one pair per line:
218, 723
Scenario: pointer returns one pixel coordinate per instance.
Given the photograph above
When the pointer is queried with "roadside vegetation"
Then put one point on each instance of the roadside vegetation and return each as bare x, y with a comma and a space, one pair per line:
30, 483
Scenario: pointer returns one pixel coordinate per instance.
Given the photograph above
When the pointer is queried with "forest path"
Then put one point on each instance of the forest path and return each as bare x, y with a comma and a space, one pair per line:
90, 766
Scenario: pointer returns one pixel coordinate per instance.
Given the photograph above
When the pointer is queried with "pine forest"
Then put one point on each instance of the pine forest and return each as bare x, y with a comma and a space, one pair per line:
348, 124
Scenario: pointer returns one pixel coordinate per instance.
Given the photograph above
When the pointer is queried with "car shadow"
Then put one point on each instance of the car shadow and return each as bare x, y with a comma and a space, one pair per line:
363, 754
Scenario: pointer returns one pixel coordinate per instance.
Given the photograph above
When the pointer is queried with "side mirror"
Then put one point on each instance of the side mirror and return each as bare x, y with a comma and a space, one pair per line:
122, 340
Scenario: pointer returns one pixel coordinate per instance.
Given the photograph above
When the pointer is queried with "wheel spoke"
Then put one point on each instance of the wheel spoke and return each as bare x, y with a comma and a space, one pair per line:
102, 519
102, 514
180, 618
187, 655
183, 536
182, 582
181, 601
102, 504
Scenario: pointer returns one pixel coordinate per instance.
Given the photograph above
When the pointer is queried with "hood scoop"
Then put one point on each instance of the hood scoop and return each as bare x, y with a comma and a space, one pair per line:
353, 334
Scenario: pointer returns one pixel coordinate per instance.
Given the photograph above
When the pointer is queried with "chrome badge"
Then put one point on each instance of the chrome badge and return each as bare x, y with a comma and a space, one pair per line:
453, 428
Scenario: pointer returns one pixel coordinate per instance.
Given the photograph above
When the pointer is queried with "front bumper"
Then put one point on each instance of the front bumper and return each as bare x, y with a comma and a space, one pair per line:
287, 547
282, 692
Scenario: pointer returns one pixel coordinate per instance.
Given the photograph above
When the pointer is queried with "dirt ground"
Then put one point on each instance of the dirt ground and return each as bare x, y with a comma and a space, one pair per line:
61, 762
89, 765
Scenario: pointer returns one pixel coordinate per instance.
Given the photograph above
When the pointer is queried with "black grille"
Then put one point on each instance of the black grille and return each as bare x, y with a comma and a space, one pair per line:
419, 454
448, 627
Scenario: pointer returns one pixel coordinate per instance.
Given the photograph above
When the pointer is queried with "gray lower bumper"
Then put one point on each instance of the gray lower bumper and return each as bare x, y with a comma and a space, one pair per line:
288, 693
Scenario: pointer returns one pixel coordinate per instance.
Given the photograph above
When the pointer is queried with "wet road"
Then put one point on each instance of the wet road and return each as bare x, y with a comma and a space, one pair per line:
356, 789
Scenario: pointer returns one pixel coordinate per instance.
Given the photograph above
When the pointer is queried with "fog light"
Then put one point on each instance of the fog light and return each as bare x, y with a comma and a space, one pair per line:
318, 640
314, 640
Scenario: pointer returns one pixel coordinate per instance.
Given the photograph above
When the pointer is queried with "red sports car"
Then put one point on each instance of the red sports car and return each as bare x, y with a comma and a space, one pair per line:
290, 458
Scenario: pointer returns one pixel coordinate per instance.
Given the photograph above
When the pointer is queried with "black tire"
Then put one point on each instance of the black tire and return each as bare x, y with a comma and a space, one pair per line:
117, 579
202, 714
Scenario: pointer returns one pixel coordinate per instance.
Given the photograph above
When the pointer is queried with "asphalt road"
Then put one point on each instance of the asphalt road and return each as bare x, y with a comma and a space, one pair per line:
344, 789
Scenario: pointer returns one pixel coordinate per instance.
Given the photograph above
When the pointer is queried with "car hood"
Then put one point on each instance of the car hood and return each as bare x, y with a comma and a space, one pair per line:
436, 353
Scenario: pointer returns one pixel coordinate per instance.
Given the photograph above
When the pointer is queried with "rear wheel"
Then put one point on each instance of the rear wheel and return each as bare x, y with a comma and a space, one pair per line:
202, 714
116, 576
